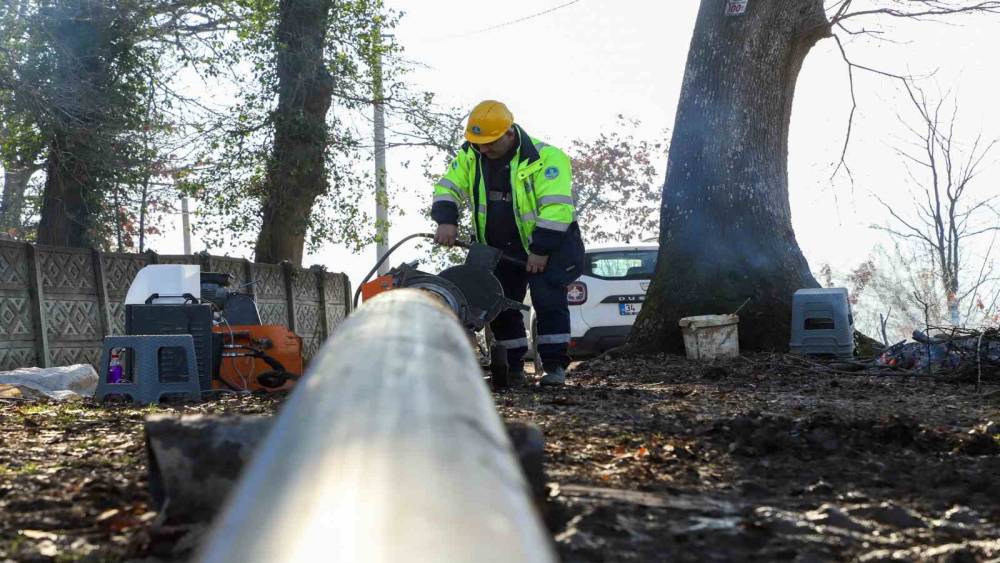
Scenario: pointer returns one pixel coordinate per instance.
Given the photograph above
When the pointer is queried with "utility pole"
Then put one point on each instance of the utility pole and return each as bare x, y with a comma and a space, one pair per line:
186, 223
381, 197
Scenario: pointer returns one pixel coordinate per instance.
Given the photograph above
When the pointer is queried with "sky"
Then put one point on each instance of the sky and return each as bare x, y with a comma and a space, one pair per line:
567, 74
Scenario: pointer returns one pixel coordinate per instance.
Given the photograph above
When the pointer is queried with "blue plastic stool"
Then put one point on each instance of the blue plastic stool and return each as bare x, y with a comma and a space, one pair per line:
145, 386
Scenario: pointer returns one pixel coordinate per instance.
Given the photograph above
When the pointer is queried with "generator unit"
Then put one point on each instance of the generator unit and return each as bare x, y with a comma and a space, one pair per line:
233, 348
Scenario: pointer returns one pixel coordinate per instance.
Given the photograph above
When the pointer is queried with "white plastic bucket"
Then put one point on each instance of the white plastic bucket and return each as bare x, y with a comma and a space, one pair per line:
707, 337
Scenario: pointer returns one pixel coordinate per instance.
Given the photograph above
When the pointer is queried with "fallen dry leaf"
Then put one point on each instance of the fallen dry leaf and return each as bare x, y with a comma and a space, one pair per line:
38, 535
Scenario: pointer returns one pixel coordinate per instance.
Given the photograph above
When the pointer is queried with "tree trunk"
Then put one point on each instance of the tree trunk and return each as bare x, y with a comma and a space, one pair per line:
87, 101
296, 174
68, 202
725, 221
15, 182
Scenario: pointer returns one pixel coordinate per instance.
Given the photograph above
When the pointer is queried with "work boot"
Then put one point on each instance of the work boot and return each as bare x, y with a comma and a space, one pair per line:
554, 377
516, 378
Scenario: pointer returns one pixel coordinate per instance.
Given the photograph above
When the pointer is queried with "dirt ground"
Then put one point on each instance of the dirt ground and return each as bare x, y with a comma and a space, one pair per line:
649, 459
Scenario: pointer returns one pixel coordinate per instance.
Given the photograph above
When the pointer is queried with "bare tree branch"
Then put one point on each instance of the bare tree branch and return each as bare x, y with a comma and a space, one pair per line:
945, 212
920, 9
840, 11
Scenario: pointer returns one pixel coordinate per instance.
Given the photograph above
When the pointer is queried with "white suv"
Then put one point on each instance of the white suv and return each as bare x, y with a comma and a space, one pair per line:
605, 300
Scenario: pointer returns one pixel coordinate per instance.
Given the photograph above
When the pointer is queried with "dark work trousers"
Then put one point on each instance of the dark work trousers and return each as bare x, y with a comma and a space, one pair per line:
548, 298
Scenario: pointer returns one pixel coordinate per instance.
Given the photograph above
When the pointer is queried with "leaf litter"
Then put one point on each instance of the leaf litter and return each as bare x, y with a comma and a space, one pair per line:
648, 459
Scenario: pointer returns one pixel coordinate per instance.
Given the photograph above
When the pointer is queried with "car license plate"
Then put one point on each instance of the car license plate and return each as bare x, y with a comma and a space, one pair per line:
629, 308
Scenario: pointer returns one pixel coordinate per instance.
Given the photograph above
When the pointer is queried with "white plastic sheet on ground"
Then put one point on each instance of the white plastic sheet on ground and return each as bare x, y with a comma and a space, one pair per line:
59, 383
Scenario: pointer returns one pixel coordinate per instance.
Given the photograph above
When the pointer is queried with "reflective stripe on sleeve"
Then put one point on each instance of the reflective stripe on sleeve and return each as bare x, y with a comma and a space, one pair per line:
445, 182
545, 200
553, 225
450, 186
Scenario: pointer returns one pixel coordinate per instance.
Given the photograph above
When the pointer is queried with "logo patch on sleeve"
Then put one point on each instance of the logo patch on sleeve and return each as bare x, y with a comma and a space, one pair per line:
551, 172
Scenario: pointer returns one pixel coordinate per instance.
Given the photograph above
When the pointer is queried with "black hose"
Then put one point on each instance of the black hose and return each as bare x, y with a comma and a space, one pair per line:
357, 292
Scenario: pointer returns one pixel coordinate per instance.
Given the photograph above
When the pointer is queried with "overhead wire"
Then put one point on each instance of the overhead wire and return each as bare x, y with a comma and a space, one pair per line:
511, 22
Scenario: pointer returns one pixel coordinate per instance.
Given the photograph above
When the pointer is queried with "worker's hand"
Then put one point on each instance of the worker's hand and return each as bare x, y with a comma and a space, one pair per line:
446, 235
536, 263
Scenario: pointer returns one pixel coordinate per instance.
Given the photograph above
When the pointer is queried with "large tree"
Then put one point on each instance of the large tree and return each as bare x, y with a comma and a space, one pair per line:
87, 59
725, 224
277, 175
81, 79
296, 173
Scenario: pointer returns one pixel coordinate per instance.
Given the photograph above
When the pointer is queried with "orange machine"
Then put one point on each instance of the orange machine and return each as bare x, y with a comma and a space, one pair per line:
376, 286
259, 357
469, 289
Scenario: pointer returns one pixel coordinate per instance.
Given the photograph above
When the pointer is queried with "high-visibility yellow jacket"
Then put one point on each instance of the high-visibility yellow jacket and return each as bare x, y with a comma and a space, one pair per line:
541, 186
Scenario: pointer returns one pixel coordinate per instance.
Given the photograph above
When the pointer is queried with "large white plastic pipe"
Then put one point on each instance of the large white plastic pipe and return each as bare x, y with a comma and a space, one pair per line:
390, 449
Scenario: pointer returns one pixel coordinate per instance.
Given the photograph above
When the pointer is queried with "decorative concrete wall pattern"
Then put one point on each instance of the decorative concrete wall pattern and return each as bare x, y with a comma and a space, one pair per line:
57, 304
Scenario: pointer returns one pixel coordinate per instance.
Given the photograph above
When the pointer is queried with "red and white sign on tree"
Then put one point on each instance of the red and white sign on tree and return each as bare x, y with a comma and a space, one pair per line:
736, 7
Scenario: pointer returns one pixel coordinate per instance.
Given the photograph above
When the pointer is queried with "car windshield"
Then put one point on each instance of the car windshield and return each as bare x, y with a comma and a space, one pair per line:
622, 264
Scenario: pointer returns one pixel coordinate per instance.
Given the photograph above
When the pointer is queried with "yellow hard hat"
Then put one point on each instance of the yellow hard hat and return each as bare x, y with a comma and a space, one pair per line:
488, 122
